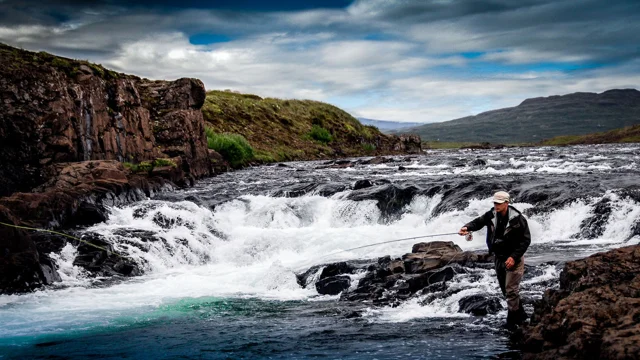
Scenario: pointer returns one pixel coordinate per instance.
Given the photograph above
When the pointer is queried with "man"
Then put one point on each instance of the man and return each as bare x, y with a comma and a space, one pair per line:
508, 238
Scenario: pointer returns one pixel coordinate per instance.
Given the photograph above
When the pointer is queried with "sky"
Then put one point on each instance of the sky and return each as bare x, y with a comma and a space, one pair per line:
405, 60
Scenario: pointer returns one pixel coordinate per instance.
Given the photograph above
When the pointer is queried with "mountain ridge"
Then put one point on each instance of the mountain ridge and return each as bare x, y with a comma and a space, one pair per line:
536, 119
387, 125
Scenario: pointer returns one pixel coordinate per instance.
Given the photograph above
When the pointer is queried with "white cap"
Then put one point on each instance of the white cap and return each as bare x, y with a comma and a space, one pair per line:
500, 197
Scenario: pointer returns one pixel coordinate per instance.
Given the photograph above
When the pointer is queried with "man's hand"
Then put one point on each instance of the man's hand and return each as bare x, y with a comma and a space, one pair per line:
510, 263
463, 231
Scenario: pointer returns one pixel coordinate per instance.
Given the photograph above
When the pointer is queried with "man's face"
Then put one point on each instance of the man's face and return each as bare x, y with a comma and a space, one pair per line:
501, 208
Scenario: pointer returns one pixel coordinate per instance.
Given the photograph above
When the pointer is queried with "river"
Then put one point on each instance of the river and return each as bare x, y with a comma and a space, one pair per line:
220, 259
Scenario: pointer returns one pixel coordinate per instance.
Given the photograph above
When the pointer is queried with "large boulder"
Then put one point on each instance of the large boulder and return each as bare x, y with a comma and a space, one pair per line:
595, 314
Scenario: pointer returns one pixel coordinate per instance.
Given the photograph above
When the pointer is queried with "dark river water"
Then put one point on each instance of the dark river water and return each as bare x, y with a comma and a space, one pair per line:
220, 259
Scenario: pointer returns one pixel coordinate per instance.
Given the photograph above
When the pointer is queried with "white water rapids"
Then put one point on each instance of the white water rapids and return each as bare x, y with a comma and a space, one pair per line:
253, 245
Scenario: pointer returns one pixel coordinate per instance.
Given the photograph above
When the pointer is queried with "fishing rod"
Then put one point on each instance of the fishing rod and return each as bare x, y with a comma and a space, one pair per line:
392, 241
66, 235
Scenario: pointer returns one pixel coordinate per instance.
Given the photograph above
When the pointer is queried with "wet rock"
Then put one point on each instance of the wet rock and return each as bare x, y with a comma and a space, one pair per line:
593, 227
97, 256
479, 162
337, 269
362, 184
376, 161
594, 314
333, 285
480, 305
296, 190
391, 199
21, 269
387, 281
330, 189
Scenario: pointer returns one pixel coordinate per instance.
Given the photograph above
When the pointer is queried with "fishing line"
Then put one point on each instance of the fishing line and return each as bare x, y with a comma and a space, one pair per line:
69, 236
299, 268
392, 241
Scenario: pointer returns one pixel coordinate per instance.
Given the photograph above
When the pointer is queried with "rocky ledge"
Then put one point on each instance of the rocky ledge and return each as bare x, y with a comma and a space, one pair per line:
387, 281
595, 313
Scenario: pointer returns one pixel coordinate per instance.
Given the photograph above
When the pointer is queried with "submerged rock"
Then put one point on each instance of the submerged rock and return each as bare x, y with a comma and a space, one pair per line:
480, 305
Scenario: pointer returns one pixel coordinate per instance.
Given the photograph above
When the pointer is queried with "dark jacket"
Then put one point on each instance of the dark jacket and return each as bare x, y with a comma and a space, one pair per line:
516, 237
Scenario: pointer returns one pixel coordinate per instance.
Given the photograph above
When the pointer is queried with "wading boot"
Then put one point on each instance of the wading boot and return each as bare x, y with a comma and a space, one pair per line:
521, 316
512, 317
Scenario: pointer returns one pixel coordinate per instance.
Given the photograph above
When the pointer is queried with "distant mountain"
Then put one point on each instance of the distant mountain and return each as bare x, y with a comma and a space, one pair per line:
540, 118
386, 125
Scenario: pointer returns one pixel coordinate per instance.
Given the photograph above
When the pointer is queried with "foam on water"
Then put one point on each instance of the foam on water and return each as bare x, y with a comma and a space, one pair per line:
252, 246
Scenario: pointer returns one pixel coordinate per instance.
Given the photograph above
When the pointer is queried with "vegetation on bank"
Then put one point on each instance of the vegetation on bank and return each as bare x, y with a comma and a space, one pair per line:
234, 148
14, 59
447, 144
629, 134
148, 166
284, 130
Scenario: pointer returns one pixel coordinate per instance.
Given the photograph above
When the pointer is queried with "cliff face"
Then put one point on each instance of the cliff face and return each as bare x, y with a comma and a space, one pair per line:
57, 110
66, 127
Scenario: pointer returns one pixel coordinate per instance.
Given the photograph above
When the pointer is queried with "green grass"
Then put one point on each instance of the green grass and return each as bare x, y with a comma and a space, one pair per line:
164, 162
629, 134
234, 148
369, 147
446, 144
148, 166
320, 134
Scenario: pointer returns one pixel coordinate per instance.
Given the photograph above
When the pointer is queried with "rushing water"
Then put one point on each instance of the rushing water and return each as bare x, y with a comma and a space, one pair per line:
220, 259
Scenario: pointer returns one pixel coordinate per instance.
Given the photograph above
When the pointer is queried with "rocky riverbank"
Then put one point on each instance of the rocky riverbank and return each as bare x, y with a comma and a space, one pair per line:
595, 314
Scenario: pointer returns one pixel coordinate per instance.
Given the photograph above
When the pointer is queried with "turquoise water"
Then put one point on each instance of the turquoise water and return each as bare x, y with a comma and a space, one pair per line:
217, 328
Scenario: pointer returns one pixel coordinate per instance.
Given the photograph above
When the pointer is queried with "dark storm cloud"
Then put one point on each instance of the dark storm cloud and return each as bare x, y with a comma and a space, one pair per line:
428, 60
602, 31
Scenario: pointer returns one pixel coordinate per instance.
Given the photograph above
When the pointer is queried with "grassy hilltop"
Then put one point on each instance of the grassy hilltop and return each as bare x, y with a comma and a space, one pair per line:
280, 130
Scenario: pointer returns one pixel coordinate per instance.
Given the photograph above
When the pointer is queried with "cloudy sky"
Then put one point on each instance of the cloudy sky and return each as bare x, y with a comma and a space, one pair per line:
405, 60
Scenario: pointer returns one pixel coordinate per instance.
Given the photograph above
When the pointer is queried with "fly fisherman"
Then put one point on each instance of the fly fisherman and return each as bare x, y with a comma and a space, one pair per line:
508, 238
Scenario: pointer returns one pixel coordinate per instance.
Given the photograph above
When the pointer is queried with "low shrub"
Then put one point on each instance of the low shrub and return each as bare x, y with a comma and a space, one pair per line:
368, 147
320, 134
234, 148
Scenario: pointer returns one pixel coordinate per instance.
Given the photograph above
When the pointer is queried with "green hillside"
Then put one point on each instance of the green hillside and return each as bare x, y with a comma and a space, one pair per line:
281, 130
540, 118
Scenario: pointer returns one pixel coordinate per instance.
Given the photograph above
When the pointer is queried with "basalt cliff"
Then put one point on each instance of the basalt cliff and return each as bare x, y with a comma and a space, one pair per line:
67, 129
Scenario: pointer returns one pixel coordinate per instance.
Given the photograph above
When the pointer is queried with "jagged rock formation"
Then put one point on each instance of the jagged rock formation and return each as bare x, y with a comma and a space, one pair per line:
388, 281
595, 314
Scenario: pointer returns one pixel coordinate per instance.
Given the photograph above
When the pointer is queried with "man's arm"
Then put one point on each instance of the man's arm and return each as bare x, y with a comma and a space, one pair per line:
475, 224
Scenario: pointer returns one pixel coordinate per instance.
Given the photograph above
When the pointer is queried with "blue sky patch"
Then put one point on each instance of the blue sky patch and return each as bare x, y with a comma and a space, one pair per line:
206, 39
